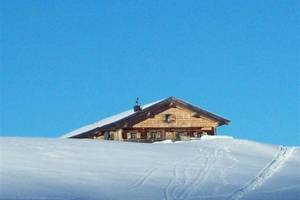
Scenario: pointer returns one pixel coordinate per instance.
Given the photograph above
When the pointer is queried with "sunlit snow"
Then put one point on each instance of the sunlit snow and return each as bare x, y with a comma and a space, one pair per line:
210, 168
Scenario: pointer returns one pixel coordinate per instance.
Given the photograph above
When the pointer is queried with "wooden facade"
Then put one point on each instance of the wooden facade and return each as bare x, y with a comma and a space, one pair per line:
171, 119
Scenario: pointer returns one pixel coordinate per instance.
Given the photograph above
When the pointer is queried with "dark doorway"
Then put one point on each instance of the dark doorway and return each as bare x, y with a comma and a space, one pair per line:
177, 136
124, 136
144, 135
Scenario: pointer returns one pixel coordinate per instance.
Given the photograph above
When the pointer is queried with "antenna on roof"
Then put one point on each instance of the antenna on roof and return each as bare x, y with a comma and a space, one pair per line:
137, 106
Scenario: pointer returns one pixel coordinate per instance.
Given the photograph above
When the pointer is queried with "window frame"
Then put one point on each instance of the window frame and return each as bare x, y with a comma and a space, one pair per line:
168, 118
133, 134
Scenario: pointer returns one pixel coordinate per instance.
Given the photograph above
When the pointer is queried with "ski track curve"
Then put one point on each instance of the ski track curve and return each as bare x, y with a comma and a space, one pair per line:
176, 184
224, 171
268, 171
182, 189
169, 190
223, 152
201, 177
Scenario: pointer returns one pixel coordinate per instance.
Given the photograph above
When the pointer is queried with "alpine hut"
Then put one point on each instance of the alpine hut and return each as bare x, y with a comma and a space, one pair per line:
170, 118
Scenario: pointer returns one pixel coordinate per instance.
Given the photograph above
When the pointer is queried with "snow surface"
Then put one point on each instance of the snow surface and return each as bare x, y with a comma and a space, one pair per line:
106, 121
82, 169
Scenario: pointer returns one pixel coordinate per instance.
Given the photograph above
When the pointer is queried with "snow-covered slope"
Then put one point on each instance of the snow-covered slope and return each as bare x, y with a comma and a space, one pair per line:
218, 168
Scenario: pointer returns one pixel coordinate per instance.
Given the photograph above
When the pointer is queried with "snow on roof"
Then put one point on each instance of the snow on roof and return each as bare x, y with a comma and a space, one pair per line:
106, 121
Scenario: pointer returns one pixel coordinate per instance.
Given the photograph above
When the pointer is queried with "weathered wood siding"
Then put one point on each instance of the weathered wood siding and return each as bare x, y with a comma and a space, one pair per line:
180, 117
118, 134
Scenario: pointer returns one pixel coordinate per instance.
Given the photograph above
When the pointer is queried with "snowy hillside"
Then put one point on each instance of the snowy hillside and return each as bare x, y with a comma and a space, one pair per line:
220, 168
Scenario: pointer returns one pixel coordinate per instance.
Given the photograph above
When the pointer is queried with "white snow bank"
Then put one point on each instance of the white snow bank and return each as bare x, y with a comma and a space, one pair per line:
214, 137
100, 170
164, 142
204, 137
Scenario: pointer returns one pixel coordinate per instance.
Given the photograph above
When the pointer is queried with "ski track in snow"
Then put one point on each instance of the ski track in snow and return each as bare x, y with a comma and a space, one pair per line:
223, 153
203, 175
176, 185
269, 170
182, 189
141, 180
227, 168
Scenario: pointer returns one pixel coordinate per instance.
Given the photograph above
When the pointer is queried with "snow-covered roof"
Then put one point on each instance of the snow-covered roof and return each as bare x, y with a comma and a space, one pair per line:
106, 121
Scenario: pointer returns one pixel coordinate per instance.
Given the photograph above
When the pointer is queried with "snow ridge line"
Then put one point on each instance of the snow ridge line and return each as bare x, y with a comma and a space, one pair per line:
268, 171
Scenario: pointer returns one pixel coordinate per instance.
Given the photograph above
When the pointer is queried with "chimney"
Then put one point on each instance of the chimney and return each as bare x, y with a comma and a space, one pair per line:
137, 106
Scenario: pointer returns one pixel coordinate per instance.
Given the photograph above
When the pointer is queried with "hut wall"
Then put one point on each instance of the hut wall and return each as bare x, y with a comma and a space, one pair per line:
117, 134
170, 135
179, 118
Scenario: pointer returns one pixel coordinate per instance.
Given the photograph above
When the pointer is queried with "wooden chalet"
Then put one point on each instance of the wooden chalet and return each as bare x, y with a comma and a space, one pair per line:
170, 118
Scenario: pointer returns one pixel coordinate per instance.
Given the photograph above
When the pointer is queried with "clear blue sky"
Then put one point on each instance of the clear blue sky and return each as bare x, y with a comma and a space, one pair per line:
65, 64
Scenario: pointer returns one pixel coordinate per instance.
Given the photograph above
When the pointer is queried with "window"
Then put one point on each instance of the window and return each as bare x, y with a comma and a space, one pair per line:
144, 135
158, 135
153, 135
167, 118
124, 136
133, 135
106, 135
112, 136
